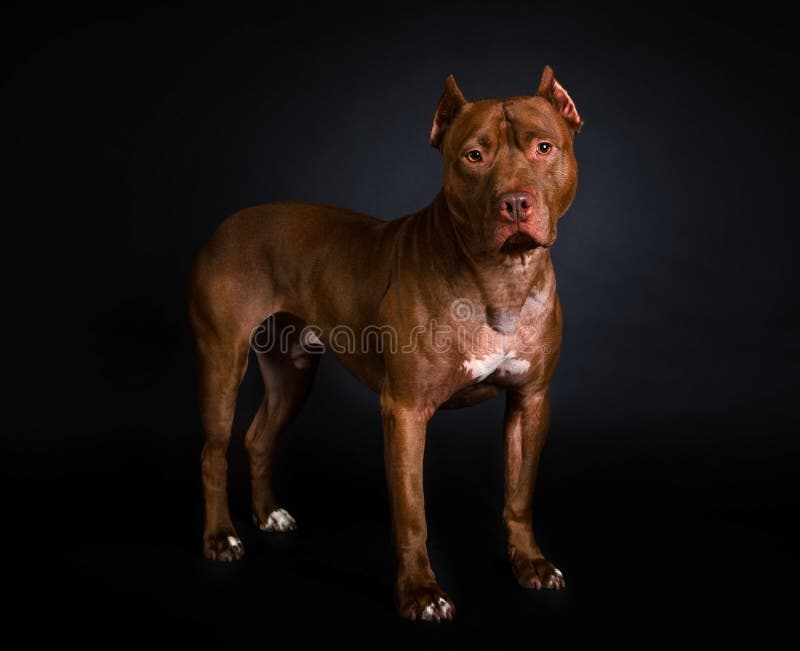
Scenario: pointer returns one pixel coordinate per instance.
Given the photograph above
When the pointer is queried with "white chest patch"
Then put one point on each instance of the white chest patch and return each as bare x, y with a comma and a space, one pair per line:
481, 367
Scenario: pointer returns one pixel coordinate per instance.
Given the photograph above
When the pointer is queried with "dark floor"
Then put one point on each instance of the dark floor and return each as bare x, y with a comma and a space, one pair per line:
660, 543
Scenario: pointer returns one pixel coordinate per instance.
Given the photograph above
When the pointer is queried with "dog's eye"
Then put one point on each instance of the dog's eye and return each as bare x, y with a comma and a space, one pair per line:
544, 148
474, 156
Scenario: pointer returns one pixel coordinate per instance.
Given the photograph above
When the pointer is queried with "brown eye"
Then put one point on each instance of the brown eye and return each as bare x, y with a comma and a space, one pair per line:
474, 156
544, 148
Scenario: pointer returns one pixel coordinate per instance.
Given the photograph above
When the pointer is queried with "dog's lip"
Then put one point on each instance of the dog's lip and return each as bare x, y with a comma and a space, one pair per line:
518, 242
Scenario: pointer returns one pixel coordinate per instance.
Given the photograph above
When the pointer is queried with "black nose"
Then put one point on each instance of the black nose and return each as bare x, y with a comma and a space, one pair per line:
515, 206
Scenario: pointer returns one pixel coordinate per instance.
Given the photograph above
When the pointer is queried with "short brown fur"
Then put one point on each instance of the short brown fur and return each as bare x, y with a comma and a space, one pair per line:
484, 243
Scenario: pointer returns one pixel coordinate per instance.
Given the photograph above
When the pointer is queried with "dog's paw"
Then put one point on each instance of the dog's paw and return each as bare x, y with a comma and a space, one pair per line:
278, 520
429, 603
538, 573
223, 547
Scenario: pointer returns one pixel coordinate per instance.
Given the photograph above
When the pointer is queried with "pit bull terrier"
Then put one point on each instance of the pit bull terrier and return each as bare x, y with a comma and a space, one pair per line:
462, 298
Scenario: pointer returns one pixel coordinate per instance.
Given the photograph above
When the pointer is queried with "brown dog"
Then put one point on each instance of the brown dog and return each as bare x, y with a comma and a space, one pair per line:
443, 308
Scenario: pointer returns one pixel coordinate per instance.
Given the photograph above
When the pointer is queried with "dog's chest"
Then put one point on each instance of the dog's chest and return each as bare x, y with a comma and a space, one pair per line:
479, 365
488, 354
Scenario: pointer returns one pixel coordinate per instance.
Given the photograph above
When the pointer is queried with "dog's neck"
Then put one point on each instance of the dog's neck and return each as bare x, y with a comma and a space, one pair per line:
500, 282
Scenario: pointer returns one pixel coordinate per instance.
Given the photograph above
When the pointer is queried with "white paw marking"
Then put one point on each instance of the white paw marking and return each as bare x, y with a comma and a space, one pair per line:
233, 541
279, 520
557, 571
479, 368
442, 606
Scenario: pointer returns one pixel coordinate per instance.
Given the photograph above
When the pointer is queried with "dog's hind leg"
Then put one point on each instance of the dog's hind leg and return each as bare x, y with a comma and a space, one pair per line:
225, 304
288, 370
221, 366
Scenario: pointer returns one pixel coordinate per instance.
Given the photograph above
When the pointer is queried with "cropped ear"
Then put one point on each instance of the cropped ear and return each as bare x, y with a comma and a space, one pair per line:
449, 105
557, 95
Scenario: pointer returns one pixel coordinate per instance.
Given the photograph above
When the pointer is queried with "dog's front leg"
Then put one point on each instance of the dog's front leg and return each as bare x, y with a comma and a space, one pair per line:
417, 594
527, 420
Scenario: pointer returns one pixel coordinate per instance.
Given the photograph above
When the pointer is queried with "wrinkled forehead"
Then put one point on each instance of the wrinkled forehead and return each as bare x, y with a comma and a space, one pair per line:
485, 121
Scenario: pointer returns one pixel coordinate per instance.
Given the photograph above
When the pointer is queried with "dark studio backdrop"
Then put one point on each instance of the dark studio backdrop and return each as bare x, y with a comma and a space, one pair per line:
667, 484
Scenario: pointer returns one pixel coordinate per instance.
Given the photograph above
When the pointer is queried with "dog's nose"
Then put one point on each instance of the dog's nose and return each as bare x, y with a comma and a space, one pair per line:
515, 206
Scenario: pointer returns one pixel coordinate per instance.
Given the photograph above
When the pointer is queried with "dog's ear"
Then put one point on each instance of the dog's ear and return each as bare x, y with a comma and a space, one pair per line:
449, 105
557, 95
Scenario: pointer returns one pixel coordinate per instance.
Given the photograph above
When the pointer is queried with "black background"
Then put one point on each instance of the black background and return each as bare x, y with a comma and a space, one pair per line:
666, 487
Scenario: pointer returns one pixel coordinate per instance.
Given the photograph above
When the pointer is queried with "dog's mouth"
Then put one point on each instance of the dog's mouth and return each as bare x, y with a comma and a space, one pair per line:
519, 242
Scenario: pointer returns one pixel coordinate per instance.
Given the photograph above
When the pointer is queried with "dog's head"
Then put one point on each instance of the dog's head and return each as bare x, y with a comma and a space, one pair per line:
509, 165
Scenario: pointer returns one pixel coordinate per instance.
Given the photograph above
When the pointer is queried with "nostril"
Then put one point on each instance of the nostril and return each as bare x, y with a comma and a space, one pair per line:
508, 205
